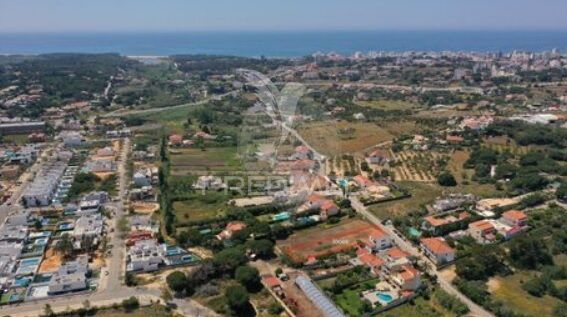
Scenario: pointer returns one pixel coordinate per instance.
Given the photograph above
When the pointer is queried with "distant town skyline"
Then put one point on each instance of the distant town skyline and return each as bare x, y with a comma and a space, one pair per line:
271, 15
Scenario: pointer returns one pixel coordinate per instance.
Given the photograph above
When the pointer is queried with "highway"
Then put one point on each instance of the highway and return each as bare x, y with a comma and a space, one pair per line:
446, 285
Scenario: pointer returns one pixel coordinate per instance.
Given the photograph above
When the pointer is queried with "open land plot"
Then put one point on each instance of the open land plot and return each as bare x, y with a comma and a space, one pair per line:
319, 242
153, 311
196, 210
335, 138
463, 177
509, 291
422, 194
505, 144
399, 127
387, 104
51, 262
187, 161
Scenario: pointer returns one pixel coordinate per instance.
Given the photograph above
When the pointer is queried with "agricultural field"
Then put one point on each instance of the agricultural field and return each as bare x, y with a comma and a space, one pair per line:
336, 138
341, 165
320, 242
417, 166
196, 161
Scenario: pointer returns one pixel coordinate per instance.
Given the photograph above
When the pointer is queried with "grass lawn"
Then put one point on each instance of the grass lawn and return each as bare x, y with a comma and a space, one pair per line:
350, 301
420, 308
335, 138
200, 208
422, 194
509, 291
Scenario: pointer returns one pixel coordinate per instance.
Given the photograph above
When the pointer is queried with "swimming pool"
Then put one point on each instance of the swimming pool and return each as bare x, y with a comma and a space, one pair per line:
30, 262
66, 226
414, 232
385, 297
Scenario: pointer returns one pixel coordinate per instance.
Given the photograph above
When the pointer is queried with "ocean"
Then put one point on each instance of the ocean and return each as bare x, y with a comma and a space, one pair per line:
281, 44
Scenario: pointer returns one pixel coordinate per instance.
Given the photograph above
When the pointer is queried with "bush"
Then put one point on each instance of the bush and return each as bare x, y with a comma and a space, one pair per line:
538, 286
446, 179
176, 281
451, 303
130, 304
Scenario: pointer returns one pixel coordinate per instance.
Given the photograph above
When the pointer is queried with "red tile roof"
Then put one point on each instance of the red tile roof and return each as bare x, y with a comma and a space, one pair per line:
437, 245
371, 260
397, 253
515, 215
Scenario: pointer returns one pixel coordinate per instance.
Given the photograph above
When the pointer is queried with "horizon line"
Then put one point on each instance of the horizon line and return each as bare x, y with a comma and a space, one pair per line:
307, 30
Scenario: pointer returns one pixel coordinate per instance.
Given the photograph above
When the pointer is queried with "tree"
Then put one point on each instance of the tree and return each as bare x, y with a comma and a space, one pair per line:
237, 297
530, 253
262, 248
279, 232
176, 281
249, 277
446, 179
65, 245
229, 259
183, 238
484, 261
561, 192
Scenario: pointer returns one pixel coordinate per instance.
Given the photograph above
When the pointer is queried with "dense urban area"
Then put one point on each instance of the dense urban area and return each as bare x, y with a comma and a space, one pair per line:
377, 184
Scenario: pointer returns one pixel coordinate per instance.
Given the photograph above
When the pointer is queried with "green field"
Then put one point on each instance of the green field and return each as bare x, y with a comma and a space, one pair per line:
186, 161
200, 208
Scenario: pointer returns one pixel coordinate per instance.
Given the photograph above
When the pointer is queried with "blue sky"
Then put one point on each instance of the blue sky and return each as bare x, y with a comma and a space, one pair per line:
264, 15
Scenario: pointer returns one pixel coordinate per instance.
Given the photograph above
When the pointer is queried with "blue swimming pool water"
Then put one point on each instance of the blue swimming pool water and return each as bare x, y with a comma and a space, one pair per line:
29, 262
385, 297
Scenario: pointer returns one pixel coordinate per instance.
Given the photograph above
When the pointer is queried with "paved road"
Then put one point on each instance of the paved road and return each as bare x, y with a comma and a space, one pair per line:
446, 285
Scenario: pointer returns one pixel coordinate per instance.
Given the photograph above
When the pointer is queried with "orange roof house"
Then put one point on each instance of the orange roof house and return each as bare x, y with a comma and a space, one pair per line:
231, 228
515, 218
371, 260
438, 250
